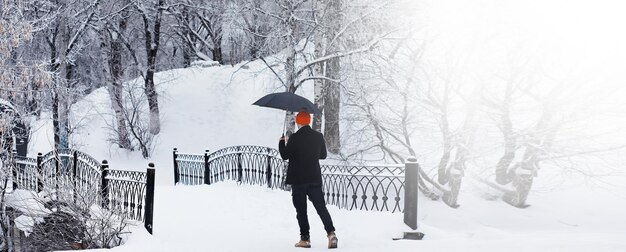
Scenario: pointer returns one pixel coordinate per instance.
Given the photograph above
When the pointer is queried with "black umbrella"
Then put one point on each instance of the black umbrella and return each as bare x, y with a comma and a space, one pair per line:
288, 101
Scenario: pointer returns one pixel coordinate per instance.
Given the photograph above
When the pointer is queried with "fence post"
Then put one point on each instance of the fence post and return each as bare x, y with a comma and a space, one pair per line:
268, 170
411, 180
56, 171
74, 174
39, 172
239, 167
176, 172
75, 162
149, 198
207, 172
104, 188
14, 168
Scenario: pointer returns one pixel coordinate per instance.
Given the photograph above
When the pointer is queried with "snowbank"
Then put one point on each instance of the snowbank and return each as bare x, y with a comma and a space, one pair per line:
231, 217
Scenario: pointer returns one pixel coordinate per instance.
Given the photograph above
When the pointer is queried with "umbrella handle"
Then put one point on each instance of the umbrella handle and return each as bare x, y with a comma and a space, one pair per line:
284, 127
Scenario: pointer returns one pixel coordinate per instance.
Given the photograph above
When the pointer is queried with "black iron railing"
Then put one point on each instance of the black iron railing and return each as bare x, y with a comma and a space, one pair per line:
246, 164
26, 175
73, 176
378, 188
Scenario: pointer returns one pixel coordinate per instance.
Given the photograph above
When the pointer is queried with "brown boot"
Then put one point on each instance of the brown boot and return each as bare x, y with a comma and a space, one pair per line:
305, 242
332, 240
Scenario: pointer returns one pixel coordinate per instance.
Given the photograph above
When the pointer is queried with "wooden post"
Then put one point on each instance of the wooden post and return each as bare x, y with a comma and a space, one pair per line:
148, 216
104, 188
176, 172
207, 172
39, 172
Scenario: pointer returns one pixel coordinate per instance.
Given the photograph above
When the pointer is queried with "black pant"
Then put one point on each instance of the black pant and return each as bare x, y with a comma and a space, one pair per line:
314, 191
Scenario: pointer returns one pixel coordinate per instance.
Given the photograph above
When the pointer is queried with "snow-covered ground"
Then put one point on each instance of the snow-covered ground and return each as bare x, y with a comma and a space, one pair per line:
231, 217
210, 108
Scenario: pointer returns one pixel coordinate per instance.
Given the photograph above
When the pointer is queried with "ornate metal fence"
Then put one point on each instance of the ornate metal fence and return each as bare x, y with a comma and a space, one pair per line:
378, 188
74, 176
129, 192
246, 164
26, 175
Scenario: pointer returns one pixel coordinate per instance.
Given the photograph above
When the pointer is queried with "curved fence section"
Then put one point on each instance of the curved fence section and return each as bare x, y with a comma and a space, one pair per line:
125, 192
243, 149
247, 164
74, 176
190, 169
27, 176
375, 188
255, 168
86, 177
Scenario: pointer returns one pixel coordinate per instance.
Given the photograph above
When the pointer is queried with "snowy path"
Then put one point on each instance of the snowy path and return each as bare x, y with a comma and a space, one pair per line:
228, 217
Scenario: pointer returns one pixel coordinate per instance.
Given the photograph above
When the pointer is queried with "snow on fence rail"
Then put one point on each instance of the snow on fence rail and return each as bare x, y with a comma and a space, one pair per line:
77, 177
377, 188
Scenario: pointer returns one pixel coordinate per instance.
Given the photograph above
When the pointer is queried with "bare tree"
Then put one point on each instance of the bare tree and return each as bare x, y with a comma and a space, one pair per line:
200, 27
65, 41
17, 79
113, 25
151, 14
524, 149
297, 29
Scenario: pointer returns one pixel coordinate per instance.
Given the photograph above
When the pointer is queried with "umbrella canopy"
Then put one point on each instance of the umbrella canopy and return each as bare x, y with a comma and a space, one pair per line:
288, 101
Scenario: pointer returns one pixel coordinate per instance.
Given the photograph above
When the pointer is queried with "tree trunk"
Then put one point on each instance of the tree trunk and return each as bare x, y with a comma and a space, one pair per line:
318, 70
502, 168
117, 73
33, 100
319, 102
332, 93
54, 66
332, 101
152, 47
290, 62
60, 106
153, 104
187, 45
114, 73
522, 177
443, 175
257, 41
217, 53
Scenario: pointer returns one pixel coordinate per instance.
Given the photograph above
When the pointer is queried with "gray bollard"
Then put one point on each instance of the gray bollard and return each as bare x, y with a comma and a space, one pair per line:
411, 180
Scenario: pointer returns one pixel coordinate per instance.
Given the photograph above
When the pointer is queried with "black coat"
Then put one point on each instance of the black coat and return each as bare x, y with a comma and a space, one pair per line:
304, 150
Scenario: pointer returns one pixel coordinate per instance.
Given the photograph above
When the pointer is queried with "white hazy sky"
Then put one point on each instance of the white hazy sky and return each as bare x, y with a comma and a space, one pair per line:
584, 40
581, 44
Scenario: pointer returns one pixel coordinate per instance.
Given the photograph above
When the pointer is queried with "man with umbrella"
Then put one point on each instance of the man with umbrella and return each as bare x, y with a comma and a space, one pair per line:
303, 149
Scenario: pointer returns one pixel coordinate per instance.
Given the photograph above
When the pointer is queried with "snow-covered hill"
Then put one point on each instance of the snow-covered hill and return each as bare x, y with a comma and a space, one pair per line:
201, 109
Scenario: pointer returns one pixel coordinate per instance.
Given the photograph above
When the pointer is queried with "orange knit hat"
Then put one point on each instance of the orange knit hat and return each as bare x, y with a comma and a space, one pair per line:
303, 118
